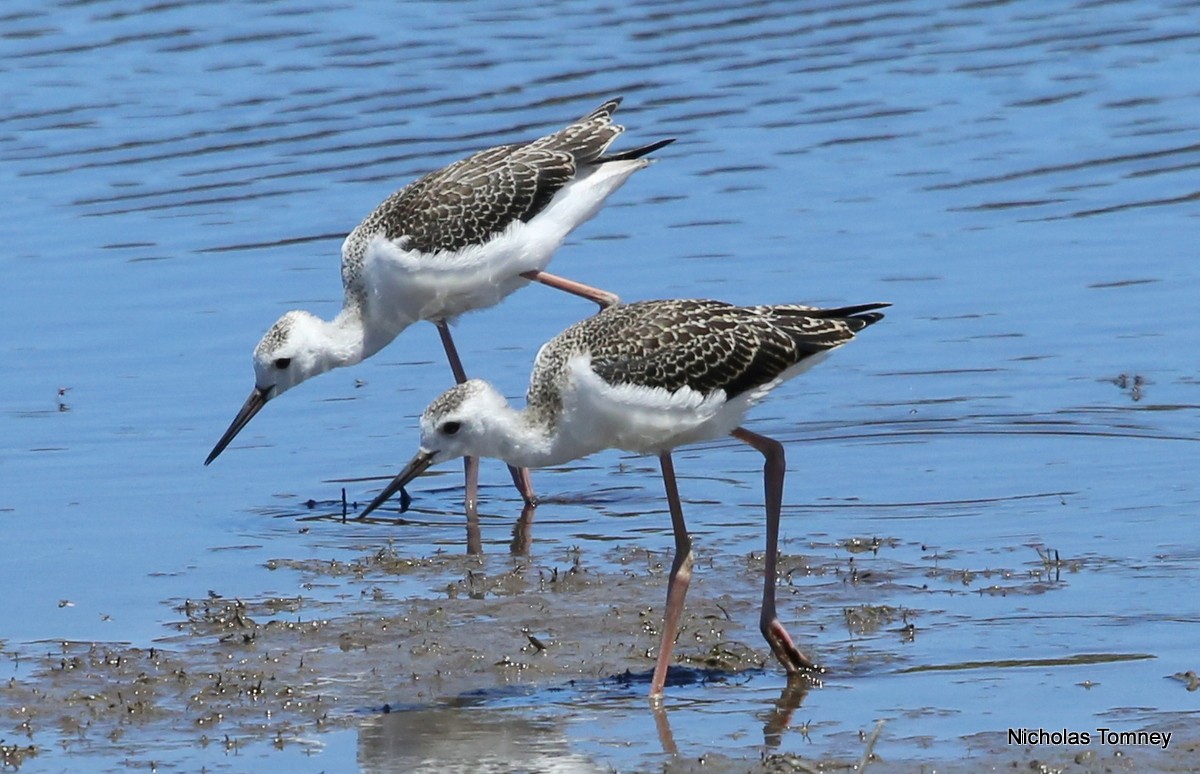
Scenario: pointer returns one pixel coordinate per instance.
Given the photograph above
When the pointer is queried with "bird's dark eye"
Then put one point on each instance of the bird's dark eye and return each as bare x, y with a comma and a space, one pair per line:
450, 428
282, 362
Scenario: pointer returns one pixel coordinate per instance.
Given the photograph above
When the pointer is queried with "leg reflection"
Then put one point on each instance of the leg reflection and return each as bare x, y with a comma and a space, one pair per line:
779, 718
522, 537
662, 724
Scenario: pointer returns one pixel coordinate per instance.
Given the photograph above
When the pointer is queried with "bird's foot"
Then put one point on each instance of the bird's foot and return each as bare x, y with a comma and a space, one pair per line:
795, 662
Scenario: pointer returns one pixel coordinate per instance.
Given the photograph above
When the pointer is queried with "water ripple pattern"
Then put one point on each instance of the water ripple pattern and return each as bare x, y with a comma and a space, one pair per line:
991, 498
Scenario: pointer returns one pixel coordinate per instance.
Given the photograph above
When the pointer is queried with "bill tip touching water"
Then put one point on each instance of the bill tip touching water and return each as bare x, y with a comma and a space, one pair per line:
648, 377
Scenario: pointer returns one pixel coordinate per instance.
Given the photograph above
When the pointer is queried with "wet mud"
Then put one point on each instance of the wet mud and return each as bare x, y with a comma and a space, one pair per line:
428, 678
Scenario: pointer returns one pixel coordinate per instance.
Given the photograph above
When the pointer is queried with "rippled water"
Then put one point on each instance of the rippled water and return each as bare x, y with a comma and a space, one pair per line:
1018, 179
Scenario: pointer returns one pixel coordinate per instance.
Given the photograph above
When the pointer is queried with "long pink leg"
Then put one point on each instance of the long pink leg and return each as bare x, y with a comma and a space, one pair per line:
456, 366
774, 468
677, 584
520, 476
595, 295
524, 484
474, 534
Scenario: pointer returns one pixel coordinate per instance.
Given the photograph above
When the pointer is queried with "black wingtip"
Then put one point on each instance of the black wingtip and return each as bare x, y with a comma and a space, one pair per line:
863, 314
611, 104
405, 499
857, 312
606, 109
637, 153
857, 317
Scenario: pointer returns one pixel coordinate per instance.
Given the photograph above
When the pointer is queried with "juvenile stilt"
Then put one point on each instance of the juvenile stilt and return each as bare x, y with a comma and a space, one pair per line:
648, 377
461, 238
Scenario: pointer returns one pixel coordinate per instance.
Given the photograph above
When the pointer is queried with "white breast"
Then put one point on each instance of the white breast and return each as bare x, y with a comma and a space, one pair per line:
648, 420
645, 420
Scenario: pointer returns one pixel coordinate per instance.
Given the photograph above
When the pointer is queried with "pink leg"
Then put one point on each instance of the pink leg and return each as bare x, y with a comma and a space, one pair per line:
595, 295
677, 584
456, 366
524, 484
471, 485
777, 637
474, 535
520, 476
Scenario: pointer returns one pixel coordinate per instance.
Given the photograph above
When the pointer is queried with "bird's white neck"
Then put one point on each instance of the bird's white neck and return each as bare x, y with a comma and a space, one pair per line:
352, 336
342, 340
519, 437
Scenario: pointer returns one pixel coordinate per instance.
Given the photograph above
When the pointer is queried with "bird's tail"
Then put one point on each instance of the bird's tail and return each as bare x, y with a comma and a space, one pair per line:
636, 153
858, 316
863, 314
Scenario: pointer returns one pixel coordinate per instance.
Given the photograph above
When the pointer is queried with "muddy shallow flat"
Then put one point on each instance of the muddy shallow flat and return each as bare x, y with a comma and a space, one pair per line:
523, 663
989, 511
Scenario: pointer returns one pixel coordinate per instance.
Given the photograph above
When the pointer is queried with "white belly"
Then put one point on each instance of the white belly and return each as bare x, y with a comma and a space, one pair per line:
408, 285
643, 420
649, 420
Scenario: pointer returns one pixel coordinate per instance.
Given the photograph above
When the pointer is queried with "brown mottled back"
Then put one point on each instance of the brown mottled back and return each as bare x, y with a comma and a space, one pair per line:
704, 345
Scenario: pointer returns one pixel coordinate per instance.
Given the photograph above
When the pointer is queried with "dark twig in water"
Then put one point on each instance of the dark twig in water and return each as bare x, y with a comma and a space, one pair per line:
533, 640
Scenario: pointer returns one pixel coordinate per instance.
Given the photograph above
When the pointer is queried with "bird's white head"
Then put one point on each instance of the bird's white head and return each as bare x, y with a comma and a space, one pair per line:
458, 423
296, 348
465, 420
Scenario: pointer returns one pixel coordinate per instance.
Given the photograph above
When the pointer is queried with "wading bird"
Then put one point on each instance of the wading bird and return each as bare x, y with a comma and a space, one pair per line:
458, 239
647, 377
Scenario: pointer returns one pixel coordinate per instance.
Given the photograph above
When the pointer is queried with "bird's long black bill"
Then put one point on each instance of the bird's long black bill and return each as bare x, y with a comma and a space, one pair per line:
253, 404
415, 467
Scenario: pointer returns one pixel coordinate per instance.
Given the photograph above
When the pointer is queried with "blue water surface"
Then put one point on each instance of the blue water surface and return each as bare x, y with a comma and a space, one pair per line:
1018, 179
